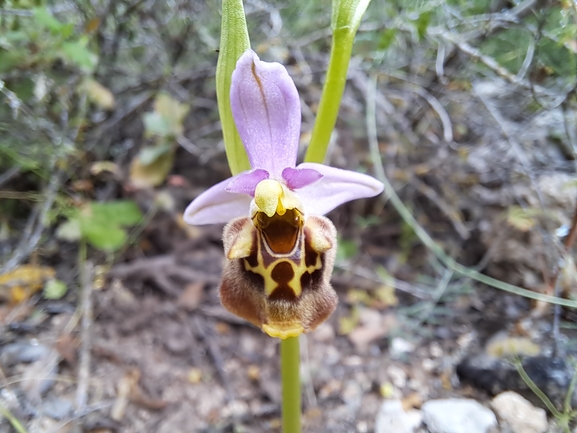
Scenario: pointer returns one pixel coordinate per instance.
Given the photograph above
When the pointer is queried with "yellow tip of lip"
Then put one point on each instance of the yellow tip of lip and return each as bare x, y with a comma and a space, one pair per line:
293, 330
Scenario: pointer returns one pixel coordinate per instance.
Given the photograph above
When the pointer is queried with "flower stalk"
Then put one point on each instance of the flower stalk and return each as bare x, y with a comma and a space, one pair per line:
280, 248
346, 19
291, 385
234, 41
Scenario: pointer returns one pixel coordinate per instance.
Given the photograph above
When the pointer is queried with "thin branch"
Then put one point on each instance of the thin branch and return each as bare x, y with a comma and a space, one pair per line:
410, 288
440, 63
28, 243
517, 149
86, 277
9, 174
451, 213
437, 295
528, 60
439, 109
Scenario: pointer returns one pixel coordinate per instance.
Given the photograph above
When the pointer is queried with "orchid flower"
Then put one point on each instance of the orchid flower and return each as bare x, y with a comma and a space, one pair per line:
280, 248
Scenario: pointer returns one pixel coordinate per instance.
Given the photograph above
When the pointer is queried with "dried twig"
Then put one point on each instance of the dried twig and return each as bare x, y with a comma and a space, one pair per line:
518, 150
35, 226
9, 174
453, 214
439, 109
520, 155
85, 308
437, 295
410, 288
165, 265
205, 333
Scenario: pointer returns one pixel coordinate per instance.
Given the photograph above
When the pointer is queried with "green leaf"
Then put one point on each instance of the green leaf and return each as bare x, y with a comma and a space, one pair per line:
346, 250
77, 52
347, 14
166, 119
522, 219
104, 236
387, 38
67, 30
149, 154
234, 41
70, 231
98, 94
47, 20
55, 289
13, 58
115, 213
156, 123
100, 224
422, 23
151, 175
172, 110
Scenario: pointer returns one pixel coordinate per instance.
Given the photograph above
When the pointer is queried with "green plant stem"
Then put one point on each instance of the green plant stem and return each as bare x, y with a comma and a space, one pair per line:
333, 89
234, 41
14, 422
345, 21
529, 382
291, 385
421, 233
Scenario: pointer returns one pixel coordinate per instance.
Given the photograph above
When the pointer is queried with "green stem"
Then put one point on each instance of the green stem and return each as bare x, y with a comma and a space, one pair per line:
15, 422
333, 89
291, 385
234, 41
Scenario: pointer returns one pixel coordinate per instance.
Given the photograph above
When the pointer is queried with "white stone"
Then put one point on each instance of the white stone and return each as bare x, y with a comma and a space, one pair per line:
518, 414
392, 418
400, 347
457, 416
397, 376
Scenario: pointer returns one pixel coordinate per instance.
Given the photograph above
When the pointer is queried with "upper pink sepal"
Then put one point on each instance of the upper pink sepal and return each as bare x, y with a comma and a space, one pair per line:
266, 108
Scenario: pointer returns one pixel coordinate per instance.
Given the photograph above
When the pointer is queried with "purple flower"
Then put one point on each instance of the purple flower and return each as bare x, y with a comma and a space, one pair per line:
280, 248
266, 109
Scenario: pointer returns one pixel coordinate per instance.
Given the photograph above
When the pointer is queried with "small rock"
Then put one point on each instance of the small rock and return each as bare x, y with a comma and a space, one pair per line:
518, 414
436, 350
42, 424
235, 409
400, 347
23, 351
191, 296
56, 407
552, 375
393, 418
457, 416
397, 376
